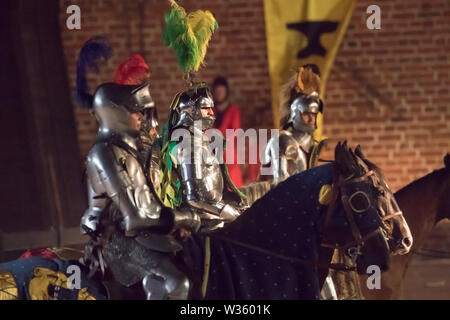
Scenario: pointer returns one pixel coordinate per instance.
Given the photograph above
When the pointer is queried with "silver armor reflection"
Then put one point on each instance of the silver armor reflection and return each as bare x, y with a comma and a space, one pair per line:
112, 167
295, 145
201, 174
120, 196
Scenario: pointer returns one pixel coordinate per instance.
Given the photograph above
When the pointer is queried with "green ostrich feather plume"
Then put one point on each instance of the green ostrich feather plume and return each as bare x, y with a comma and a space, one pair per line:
188, 35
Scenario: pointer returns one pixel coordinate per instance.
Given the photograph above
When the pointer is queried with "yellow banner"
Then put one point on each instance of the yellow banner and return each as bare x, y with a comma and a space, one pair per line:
300, 32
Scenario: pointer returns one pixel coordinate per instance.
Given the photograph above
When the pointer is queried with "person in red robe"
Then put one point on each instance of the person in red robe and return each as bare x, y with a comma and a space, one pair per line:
228, 116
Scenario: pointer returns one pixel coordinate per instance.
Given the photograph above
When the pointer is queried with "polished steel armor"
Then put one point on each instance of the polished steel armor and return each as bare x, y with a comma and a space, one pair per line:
113, 103
113, 172
188, 108
302, 104
112, 168
290, 152
199, 170
119, 195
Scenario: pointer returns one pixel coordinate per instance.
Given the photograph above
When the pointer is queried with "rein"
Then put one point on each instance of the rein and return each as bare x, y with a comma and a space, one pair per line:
349, 245
334, 266
398, 213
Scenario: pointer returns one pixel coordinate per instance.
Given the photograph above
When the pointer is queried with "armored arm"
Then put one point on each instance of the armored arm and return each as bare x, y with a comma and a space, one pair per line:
90, 222
277, 156
193, 184
120, 177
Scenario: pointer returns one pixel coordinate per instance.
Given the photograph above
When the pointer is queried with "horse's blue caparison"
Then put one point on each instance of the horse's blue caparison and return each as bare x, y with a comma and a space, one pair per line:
284, 221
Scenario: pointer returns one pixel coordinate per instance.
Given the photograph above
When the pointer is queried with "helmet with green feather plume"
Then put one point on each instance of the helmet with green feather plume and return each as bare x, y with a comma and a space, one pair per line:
188, 34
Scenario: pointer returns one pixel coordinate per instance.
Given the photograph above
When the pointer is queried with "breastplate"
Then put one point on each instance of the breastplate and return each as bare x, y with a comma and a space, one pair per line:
211, 186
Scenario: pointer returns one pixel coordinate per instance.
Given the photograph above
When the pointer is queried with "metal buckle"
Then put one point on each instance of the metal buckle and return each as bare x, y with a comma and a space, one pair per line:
353, 207
354, 252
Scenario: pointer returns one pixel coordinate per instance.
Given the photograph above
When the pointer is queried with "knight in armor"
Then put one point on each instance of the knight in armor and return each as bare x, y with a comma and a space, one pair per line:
295, 149
131, 230
205, 184
200, 179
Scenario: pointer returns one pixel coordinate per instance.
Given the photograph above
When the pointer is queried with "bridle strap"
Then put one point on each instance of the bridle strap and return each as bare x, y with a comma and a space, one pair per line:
336, 246
358, 179
358, 238
398, 213
353, 227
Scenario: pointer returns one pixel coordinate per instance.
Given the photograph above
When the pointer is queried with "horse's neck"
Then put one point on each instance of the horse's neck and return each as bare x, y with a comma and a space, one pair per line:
419, 202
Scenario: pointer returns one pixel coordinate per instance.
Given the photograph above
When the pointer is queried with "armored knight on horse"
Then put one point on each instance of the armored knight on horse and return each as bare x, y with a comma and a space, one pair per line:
294, 149
201, 177
122, 204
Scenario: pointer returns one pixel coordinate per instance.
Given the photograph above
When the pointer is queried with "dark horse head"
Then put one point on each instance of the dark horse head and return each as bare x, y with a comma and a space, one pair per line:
374, 225
394, 223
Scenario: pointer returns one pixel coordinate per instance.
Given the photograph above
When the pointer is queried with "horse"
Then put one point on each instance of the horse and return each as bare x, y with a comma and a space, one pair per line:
251, 264
281, 247
424, 203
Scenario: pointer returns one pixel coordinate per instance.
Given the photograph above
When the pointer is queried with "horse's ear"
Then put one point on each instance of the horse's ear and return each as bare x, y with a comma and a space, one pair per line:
447, 160
338, 156
349, 155
358, 152
336, 149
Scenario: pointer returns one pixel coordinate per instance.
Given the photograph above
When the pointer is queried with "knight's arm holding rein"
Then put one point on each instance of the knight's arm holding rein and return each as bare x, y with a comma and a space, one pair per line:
195, 186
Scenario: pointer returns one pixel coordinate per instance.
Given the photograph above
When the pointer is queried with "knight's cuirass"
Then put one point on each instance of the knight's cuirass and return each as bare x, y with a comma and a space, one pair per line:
288, 154
118, 188
203, 175
212, 186
297, 152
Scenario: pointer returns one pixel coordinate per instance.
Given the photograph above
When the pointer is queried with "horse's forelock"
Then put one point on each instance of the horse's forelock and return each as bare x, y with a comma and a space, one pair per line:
372, 166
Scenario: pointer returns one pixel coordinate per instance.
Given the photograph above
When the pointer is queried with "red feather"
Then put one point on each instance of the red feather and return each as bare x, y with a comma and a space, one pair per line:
133, 71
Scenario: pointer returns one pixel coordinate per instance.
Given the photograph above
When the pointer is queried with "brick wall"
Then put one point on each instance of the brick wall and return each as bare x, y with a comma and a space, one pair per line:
388, 91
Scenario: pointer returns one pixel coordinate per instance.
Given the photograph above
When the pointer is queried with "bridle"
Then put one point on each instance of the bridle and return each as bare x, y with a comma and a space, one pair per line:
354, 247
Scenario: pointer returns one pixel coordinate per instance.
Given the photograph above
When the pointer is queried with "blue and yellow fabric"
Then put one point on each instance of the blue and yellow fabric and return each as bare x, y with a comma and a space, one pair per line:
38, 278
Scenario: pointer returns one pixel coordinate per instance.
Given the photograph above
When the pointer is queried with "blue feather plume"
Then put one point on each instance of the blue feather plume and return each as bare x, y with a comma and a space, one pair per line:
94, 49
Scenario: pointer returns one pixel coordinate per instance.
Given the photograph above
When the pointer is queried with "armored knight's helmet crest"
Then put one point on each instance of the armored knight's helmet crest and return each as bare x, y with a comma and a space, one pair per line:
187, 108
188, 34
